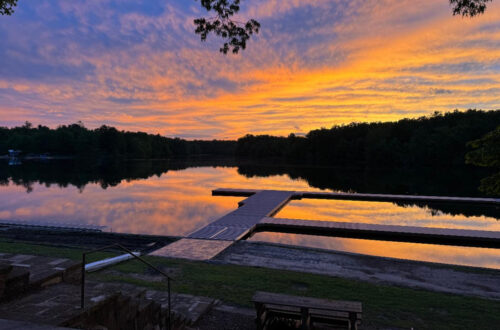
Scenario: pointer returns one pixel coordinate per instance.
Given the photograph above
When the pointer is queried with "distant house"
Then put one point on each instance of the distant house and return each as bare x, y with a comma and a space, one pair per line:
14, 153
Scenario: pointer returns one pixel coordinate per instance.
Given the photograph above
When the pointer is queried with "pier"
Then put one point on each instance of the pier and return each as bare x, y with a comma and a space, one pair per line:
255, 213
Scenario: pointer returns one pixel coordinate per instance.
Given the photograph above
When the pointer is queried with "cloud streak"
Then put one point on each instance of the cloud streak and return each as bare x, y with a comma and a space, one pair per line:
139, 66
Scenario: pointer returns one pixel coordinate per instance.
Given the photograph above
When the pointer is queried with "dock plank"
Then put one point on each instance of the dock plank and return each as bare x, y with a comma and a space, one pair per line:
193, 249
256, 211
446, 236
238, 223
363, 197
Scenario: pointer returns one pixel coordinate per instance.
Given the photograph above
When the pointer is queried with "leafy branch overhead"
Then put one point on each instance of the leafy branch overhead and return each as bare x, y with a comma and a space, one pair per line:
468, 8
235, 33
7, 7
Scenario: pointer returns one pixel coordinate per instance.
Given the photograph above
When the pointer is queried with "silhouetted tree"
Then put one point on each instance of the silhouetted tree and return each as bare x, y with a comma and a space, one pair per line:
78, 141
486, 153
7, 7
236, 34
436, 141
468, 8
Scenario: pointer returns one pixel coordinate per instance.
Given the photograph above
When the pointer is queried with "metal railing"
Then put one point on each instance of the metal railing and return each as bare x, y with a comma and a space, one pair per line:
84, 254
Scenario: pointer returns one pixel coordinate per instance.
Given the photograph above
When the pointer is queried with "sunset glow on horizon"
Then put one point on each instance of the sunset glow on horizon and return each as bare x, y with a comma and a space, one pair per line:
137, 65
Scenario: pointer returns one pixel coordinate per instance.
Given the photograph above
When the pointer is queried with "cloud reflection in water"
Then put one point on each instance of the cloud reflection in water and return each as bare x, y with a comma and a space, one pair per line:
179, 201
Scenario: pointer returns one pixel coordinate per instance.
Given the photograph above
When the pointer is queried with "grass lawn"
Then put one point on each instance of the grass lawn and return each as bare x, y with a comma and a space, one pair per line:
383, 305
8, 246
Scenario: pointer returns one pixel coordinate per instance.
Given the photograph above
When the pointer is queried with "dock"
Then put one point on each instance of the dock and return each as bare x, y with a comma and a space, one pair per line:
255, 213
51, 225
412, 234
364, 197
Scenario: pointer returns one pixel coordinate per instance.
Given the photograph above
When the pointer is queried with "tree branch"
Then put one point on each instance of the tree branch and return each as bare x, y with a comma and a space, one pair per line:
468, 8
7, 7
236, 34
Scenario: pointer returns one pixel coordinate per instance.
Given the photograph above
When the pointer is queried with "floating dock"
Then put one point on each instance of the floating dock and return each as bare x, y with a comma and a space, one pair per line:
255, 214
412, 234
51, 225
363, 197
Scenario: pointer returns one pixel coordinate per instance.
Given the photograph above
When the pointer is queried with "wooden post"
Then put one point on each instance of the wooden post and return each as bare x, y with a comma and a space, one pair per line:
258, 321
306, 320
82, 298
353, 321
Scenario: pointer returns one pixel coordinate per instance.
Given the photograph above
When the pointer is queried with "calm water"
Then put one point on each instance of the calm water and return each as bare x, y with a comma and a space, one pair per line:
174, 198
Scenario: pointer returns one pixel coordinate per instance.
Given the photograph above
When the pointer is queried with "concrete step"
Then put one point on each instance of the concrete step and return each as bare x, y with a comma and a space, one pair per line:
22, 325
17, 282
185, 308
72, 270
45, 278
132, 309
41, 272
148, 314
5, 269
58, 306
53, 302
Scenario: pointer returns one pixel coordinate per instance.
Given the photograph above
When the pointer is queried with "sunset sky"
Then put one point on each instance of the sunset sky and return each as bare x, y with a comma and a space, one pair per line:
137, 65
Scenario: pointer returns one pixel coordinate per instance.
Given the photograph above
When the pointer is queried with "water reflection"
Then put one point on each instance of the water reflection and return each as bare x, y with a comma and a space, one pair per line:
456, 181
174, 198
105, 173
457, 255
173, 204
388, 214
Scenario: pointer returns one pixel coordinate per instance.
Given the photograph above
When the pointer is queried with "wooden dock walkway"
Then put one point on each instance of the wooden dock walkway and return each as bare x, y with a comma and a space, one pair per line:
431, 235
364, 197
207, 242
256, 211
238, 223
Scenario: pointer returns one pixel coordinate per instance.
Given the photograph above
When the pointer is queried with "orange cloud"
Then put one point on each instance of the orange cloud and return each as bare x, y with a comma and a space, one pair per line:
315, 64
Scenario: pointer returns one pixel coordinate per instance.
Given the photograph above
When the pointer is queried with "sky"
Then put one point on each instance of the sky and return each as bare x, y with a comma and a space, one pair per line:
138, 65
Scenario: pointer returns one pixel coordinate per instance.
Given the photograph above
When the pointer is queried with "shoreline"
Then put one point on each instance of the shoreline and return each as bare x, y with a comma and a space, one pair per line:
44, 235
385, 306
437, 277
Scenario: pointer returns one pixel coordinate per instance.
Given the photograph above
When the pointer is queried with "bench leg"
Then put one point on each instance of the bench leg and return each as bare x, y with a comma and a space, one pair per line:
352, 321
260, 314
306, 319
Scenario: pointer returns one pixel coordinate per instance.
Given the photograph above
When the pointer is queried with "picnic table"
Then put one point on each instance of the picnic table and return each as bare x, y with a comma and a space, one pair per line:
306, 310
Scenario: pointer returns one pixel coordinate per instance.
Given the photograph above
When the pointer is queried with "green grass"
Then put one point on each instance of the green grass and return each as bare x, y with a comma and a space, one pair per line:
383, 305
7, 246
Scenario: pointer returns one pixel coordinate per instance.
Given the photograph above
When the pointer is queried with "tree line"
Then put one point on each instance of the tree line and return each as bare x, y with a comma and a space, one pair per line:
76, 140
441, 140
438, 140
104, 172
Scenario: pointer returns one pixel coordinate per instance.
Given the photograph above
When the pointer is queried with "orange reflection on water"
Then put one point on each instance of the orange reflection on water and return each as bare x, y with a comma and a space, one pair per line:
382, 213
389, 214
176, 203
457, 255
179, 201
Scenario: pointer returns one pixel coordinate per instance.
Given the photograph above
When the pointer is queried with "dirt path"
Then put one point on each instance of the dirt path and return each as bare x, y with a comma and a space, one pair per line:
430, 276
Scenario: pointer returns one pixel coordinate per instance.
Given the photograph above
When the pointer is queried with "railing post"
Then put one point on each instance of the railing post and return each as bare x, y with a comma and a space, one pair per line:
82, 298
169, 300
82, 303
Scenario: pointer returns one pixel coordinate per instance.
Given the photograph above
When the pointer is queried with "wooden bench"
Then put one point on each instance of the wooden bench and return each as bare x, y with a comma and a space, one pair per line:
307, 310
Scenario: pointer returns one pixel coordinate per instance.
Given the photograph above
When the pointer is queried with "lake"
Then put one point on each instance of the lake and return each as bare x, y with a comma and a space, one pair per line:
174, 198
